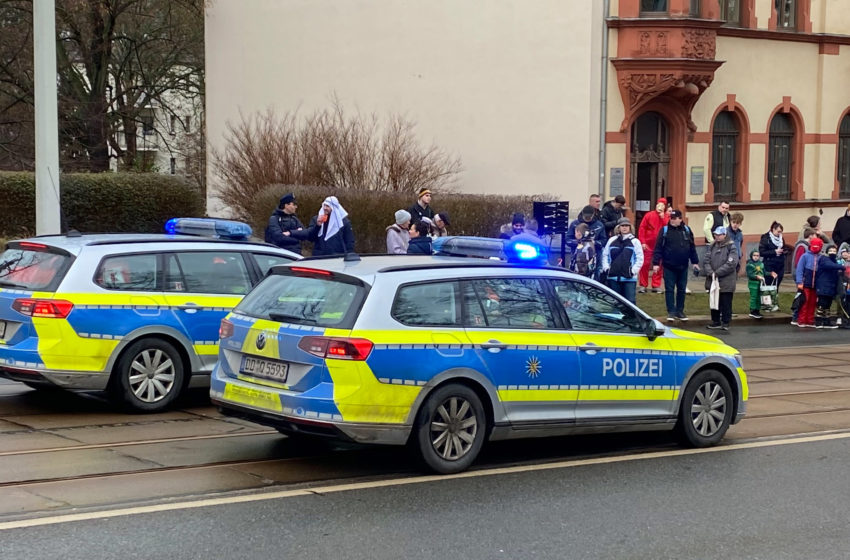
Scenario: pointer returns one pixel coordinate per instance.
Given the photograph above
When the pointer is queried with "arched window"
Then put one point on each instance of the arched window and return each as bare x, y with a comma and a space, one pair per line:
780, 157
724, 156
844, 158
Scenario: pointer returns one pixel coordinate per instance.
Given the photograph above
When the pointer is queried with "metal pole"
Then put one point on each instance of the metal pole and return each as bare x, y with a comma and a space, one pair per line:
47, 214
603, 100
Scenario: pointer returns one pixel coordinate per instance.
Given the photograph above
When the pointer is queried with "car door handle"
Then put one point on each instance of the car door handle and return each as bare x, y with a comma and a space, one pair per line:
189, 307
493, 345
590, 348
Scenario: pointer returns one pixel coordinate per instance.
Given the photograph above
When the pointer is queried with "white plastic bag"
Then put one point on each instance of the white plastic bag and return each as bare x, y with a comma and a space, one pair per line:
714, 293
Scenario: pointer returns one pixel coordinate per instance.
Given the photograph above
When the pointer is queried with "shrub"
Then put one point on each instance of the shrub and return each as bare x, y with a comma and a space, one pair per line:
104, 202
327, 148
371, 212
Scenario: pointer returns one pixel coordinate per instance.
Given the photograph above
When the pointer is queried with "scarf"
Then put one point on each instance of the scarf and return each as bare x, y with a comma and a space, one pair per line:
338, 214
776, 240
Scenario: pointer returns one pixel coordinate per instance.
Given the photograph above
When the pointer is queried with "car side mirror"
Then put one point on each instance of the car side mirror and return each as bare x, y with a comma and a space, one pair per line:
653, 330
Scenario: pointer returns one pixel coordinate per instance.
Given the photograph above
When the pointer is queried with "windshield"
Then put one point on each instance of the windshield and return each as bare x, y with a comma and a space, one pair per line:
305, 300
25, 269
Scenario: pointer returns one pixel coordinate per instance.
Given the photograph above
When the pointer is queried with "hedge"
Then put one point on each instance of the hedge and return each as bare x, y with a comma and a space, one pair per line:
371, 212
102, 202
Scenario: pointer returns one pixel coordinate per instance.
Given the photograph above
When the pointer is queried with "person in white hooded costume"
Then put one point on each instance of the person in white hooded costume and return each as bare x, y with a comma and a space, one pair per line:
330, 230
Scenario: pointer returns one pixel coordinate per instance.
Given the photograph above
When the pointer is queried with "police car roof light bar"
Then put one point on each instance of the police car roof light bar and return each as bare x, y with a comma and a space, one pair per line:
525, 249
208, 227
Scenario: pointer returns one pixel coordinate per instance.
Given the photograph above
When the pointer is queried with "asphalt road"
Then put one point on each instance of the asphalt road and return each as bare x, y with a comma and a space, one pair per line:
772, 502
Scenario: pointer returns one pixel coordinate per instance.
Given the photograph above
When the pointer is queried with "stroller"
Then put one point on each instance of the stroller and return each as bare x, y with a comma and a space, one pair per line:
769, 294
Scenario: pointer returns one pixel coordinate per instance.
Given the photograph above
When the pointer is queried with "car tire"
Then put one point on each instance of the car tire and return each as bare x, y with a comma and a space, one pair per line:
706, 410
149, 376
450, 429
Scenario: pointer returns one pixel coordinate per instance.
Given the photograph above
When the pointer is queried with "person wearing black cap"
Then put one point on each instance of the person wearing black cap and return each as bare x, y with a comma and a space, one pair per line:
674, 248
595, 229
284, 228
517, 226
422, 207
441, 221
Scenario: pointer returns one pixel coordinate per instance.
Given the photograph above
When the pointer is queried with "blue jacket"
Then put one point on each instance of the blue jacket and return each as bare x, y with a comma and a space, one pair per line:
675, 247
819, 272
420, 246
595, 228
622, 258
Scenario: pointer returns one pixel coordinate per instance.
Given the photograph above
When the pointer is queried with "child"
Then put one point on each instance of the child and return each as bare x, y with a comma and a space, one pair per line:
736, 236
844, 288
585, 252
826, 282
755, 276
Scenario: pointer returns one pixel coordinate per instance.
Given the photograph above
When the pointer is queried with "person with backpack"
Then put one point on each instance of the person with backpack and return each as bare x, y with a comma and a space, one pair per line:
582, 259
674, 248
622, 260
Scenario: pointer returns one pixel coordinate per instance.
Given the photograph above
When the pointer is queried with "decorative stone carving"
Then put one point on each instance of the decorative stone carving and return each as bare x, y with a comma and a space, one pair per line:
698, 43
661, 43
645, 38
642, 87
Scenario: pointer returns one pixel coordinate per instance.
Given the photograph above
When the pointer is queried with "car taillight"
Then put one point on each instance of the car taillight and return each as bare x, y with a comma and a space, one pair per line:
337, 348
225, 330
50, 308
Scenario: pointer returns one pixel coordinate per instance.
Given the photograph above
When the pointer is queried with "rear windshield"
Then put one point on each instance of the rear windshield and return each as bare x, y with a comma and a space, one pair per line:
304, 300
26, 269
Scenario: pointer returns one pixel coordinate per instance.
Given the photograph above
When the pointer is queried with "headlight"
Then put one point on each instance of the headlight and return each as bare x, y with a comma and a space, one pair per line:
740, 359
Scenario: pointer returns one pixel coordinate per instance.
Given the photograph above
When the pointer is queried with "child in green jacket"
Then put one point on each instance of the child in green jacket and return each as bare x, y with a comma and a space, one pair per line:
755, 276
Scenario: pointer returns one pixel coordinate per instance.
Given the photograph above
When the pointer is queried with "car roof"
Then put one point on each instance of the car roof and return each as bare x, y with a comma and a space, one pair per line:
74, 243
370, 265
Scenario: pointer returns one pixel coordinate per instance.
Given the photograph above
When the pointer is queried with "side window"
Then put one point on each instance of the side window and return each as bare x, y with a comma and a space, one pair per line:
173, 275
212, 272
128, 272
429, 304
266, 261
591, 309
517, 303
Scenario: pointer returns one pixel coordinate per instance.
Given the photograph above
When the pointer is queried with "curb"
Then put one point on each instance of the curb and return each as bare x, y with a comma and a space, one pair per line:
740, 320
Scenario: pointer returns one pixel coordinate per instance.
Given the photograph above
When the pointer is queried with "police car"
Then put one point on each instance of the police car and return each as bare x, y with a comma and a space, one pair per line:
444, 353
137, 314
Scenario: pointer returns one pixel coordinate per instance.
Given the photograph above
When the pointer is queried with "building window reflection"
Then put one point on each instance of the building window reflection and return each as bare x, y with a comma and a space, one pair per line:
653, 7
730, 12
844, 158
786, 11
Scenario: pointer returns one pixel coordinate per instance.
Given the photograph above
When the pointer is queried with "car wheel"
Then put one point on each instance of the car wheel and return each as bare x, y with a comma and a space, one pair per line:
450, 429
149, 375
706, 411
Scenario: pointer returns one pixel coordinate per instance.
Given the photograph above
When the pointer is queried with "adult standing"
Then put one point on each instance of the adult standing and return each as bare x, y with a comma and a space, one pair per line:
773, 249
841, 231
441, 222
595, 202
650, 227
674, 248
612, 211
815, 223
622, 259
398, 234
595, 228
420, 241
330, 230
422, 207
715, 219
284, 229
719, 264
517, 226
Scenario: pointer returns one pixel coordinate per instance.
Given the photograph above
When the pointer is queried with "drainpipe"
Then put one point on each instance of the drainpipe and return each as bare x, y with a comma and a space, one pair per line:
603, 101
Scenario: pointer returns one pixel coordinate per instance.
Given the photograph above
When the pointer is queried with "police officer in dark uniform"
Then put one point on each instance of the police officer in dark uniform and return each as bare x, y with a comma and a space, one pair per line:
284, 228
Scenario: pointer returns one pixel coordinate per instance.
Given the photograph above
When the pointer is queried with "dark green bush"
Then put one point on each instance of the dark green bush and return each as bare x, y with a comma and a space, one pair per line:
371, 212
105, 202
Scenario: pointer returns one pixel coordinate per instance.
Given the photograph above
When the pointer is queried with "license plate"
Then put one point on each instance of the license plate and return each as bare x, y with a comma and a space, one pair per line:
2, 329
268, 369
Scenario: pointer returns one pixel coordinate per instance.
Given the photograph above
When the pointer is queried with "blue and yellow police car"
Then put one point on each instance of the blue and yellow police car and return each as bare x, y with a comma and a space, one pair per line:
444, 353
137, 314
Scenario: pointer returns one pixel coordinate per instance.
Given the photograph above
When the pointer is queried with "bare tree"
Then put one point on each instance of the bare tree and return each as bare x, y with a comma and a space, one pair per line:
327, 148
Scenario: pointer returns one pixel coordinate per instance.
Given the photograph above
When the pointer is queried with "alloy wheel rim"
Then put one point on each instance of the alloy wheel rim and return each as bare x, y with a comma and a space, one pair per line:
151, 375
453, 428
708, 409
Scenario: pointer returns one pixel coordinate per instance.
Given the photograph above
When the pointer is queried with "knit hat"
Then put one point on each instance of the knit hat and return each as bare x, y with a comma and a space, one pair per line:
518, 218
816, 244
423, 191
662, 199
286, 199
720, 230
624, 222
402, 216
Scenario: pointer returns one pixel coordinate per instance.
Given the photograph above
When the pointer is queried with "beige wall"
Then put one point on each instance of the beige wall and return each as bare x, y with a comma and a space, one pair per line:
512, 87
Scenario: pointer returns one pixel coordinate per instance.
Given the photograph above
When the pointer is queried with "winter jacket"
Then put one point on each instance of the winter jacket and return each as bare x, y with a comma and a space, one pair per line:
417, 212
714, 219
841, 231
622, 258
339, 243
754, 270
720, 259
397, 240
609, 217
420, 246
767, 249
279, 222
581, 258
595, 228
675, 247
736, 237
650, 227
819, 272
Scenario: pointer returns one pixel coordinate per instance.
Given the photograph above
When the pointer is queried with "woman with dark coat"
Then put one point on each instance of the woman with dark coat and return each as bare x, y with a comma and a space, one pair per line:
719, 261
773, 249
420, 241
330, 230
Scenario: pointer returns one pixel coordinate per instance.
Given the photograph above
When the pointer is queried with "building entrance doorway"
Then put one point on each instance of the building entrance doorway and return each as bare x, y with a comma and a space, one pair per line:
650, 163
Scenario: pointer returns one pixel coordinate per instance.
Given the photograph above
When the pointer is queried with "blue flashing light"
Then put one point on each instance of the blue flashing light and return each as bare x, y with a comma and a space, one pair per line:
208, 227
524, 248
526, 252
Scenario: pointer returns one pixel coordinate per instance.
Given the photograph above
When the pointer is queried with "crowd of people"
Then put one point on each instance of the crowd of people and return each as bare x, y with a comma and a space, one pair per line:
603, 245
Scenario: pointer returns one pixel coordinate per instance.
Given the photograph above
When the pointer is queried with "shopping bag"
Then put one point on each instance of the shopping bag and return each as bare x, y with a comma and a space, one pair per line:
768, 292
714, 293
766, 299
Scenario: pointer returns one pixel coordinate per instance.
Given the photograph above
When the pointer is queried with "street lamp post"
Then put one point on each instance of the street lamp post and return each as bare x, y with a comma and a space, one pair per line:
47, 213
